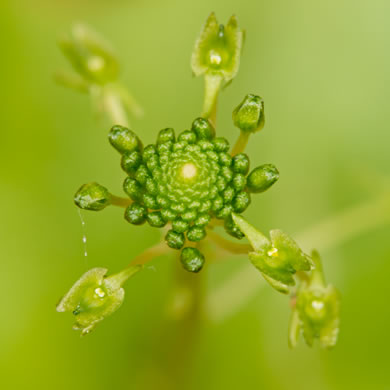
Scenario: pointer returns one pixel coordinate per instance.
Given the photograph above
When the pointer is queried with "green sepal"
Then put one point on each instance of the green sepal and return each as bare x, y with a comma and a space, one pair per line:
318, 308
93, 197
249, 114
277, 259
218, 49
94, 297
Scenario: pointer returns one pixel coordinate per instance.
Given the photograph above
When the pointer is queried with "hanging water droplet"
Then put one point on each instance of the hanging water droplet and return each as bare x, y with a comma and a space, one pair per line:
84, 238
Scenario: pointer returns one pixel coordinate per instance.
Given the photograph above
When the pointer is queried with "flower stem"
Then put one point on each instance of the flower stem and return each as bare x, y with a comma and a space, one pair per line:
119, 201
150, 253
241, 143
227, 245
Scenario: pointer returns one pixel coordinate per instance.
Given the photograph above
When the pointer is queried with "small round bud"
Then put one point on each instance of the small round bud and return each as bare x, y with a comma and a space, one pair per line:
124, 140
217, 203
180, 226
192, 259
249, 115
228, 194
203, 128
232, 229
221, 144
205, 206
155, 219
262, 178
150, 201
187, 136
196, 233
239, 181
148, 152
92, 196
225, 159
168, 214
136, 214
189, 215
174, 239
241, 202
131, 161
166, 135
241, 163
142, 174
202, 220
132, 188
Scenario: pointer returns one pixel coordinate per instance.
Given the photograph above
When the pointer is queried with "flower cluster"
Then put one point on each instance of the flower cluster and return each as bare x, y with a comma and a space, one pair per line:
185, 181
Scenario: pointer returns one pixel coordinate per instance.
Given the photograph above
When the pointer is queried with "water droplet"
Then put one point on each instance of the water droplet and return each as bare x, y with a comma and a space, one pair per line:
273, 252
215, 58
84, 238
99, 292
317, 305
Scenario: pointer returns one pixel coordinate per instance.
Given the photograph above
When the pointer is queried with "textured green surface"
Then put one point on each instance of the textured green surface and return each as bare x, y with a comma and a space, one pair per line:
323, 70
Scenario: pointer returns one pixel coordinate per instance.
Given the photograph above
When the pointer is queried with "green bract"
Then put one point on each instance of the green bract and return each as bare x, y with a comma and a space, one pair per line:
277, 259
94, 297
249, 115
316, 312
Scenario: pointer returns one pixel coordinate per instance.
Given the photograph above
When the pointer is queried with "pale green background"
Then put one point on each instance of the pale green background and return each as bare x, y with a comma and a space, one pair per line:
323, 70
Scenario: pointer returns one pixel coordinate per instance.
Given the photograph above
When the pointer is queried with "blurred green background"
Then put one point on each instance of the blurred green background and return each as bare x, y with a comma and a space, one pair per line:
323, 70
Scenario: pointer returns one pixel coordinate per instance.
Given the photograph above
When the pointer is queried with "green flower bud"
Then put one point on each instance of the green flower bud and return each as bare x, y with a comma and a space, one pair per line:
136, 214
192, 259
203, 129
239, 181
241, 202
187, 136
196, 233
124, 140
262, 178
232, 229
131, 161
174, 239
317, 310
240, 163
94, 297
180, 226
249, 115
155, 219
221, 144
92, 196
166, 135
277, 259
133, 188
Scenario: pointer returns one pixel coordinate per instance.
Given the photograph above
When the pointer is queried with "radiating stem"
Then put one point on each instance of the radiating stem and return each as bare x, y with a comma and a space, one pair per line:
119, 201
150, 253
113, 106
241, 143
227, 245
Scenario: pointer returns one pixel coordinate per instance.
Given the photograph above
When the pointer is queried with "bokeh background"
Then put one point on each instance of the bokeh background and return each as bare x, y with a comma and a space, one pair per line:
323, 70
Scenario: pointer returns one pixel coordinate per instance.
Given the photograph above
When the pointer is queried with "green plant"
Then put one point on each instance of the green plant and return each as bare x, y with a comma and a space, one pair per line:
189, 184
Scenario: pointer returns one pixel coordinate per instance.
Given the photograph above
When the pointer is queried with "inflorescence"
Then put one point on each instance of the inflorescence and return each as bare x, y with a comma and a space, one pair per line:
185, 182
188, 183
